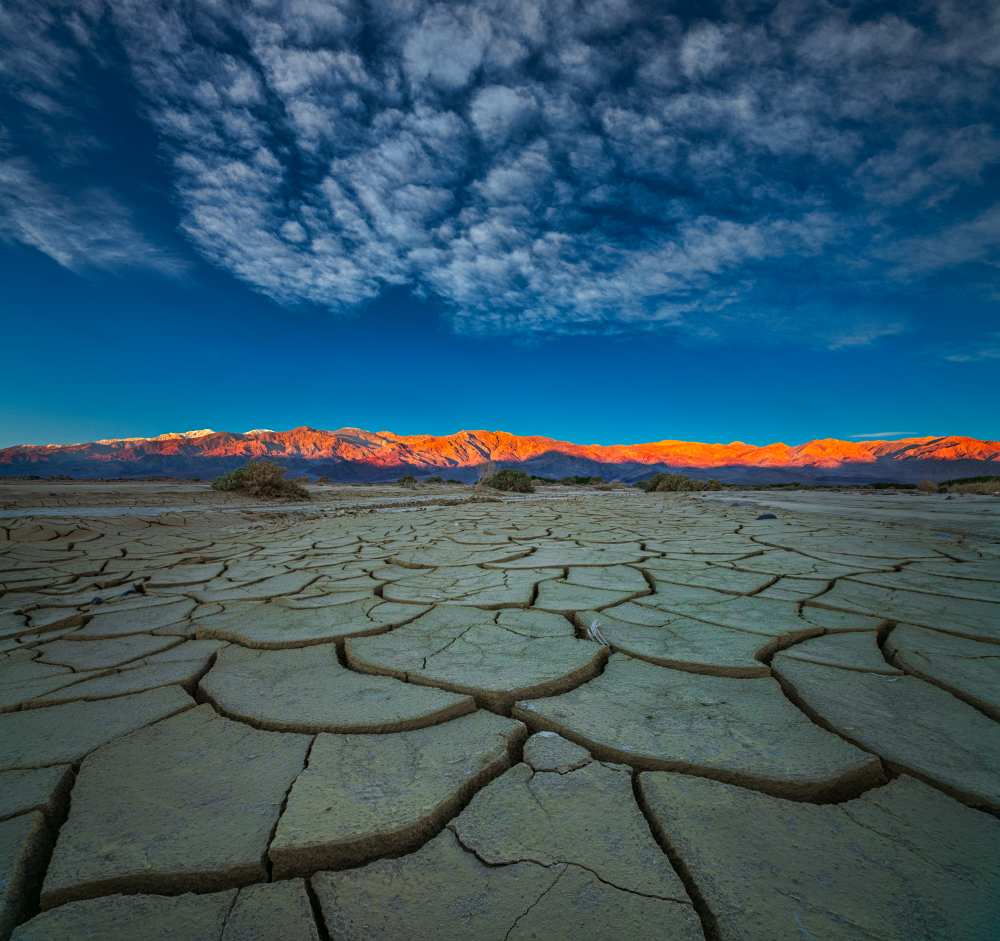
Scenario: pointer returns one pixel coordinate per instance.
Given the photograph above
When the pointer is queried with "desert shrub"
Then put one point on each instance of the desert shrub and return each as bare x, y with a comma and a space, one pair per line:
513, 481
434, 480
984, 479
927, 486
261, 479
581, 480
408, 480
676, 483
987, 485
662, 483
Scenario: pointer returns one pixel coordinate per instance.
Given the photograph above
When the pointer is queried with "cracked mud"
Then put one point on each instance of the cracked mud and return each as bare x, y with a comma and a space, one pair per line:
571, 716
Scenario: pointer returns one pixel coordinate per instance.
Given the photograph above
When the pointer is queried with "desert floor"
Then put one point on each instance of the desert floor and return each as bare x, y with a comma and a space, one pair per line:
418, 714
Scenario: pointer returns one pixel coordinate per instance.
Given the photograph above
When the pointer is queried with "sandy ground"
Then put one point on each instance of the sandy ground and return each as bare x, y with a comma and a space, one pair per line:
393, 713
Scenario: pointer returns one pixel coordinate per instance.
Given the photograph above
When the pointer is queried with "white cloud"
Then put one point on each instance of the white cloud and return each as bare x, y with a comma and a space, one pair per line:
973, 240
929, 165
446, 47
90, 231
703, 51
837, 42
498, 111
987, 350
864, 334
883, 434
556, 166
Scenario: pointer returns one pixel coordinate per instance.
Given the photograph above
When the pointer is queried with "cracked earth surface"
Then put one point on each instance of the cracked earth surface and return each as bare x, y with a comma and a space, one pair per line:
580, 716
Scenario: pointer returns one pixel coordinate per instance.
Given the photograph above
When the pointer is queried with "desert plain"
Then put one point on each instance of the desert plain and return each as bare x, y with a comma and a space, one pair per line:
396, 713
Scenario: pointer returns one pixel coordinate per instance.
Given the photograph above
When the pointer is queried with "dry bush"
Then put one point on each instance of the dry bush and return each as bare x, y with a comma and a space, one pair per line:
927, 486
988, 487
261, 479
512, 481
676, 483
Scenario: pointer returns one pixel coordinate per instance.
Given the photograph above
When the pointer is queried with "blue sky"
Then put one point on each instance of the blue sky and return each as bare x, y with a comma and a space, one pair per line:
606, 222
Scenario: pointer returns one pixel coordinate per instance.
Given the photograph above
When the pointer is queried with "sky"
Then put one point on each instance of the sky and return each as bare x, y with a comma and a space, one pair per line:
604, 222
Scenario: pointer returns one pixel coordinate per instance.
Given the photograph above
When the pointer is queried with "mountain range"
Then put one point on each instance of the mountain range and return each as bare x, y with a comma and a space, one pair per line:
352, 454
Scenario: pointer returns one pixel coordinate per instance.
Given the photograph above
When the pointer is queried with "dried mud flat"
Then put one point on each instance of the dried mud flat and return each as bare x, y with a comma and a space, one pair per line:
579, 716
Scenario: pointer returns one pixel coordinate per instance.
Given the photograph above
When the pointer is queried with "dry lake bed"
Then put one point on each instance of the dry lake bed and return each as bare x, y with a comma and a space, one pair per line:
414, 714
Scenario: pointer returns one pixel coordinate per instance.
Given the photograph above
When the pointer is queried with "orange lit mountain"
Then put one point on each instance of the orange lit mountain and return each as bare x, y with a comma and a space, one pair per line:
354, 454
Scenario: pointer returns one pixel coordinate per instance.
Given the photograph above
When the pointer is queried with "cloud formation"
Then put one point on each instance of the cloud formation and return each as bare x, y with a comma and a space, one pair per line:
864, 334
987, 349
44, 51
556, 166
90, 230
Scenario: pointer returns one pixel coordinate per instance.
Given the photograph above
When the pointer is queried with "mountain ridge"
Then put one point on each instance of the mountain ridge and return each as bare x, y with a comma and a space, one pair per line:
355, 454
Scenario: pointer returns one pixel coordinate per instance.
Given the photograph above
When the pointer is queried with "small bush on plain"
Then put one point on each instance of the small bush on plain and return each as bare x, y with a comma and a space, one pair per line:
988, 483
261, 479
990, 479
513, 481
676, 483
979, 486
